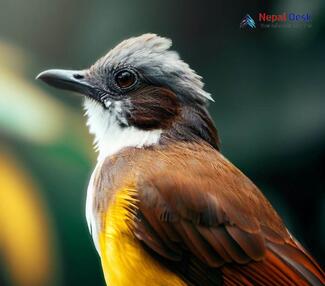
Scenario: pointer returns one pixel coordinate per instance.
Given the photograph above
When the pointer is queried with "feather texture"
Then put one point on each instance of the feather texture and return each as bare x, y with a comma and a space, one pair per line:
201, 218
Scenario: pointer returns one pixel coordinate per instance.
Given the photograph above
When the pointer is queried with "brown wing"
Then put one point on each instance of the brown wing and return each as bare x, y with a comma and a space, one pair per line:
207, 221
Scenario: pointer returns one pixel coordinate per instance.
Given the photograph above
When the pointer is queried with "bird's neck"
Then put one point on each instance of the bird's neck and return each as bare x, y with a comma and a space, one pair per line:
193, 124
112, 135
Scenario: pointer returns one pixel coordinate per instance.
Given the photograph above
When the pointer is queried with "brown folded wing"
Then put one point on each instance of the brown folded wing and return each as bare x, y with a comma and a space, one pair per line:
208, 222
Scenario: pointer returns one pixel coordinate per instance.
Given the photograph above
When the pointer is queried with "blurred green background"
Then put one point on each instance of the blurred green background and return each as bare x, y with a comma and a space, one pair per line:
270, 112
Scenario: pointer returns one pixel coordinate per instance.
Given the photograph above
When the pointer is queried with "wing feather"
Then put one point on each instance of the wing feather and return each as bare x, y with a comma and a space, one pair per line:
203, 209
205, 220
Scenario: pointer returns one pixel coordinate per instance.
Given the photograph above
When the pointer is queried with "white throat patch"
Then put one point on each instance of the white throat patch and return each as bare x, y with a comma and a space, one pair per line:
110, 136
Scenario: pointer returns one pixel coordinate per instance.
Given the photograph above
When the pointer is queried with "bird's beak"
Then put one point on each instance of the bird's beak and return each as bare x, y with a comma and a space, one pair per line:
67, 79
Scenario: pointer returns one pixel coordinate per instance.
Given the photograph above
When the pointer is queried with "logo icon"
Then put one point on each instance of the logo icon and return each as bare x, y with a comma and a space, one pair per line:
247, 22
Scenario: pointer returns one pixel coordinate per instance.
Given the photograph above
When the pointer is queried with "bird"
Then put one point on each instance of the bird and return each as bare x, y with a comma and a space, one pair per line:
164, 206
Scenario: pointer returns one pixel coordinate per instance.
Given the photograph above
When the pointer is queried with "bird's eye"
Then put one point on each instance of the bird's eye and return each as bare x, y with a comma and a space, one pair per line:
125, 79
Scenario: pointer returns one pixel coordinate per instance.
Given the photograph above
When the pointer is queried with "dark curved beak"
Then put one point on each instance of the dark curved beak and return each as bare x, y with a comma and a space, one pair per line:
67, 79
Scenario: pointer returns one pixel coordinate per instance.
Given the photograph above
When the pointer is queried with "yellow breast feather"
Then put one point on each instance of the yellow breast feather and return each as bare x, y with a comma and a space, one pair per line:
124, 260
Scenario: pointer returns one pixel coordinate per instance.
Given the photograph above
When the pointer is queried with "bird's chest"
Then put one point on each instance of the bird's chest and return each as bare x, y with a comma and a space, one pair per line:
124, 260
113, 209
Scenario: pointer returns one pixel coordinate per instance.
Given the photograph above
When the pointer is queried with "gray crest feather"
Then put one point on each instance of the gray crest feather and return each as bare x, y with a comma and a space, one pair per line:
150, 54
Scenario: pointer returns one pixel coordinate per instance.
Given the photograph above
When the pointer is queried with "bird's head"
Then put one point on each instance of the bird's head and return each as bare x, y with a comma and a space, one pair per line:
140, 93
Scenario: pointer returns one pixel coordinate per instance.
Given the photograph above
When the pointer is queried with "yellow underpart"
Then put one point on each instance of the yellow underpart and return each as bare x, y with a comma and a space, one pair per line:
124, 261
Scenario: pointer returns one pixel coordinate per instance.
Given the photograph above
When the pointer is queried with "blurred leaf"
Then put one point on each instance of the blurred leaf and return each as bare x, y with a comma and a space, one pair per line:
26, 239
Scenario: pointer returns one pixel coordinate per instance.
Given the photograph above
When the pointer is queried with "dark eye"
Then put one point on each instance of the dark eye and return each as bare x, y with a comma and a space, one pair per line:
125, 79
